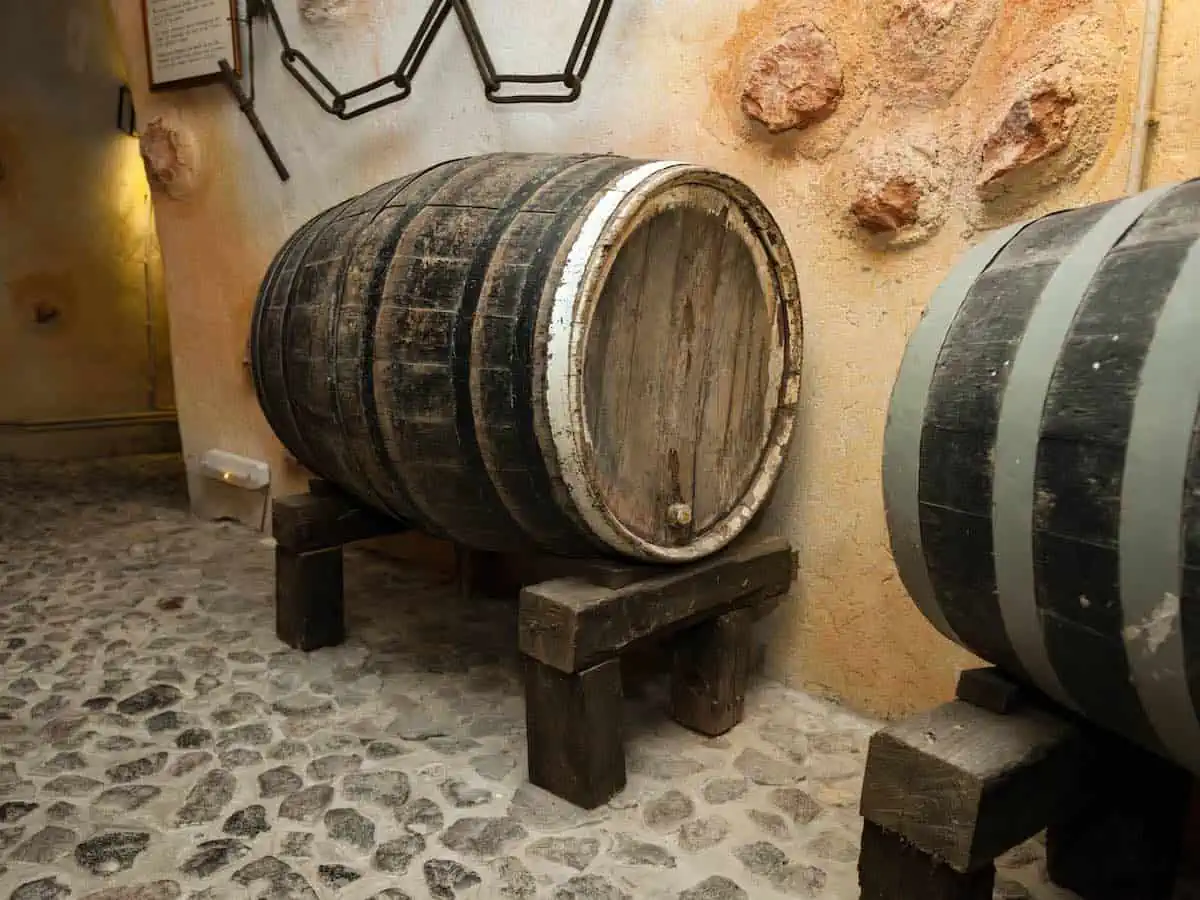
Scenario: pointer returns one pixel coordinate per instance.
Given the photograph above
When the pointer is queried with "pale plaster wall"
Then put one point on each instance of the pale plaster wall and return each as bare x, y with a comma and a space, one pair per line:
666, 83
82, 307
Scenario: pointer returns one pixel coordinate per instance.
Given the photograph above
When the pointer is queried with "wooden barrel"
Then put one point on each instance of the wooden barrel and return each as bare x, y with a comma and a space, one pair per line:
1042, 461
583, 354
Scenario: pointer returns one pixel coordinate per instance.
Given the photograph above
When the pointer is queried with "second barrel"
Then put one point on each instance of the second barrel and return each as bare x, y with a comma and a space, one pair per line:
577, 353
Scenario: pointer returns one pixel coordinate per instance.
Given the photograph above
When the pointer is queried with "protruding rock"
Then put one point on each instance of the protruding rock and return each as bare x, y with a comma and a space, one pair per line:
422, 816
516, 881
701, 834
724, 790
279, 781
306, 805
798, 804
715, 888
589, 887
322, 12
761, 857
213, 855
394, 856
794, 83
763, 769
898, 192
207, 798
799, 881
41, 889
929, 46
45, 846
337, 877
482, 838
248, 823
155, 697
351, 827
575, 852
150, 890
888, 207
1037, 125
113, 852
171, 158
630, 852
445, 877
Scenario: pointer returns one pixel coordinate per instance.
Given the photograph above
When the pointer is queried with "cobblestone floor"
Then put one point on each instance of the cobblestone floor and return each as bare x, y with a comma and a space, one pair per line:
157, 742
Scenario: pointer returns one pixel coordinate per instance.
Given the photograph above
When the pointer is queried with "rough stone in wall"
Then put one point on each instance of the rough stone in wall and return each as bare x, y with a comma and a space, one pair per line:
899, 186
929, 46
1044, 121
794, 83
1037, 125
170, 156
889, 207
320, 12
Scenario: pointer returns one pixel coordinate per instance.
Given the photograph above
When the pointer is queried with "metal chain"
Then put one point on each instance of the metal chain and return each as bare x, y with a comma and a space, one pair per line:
336, 103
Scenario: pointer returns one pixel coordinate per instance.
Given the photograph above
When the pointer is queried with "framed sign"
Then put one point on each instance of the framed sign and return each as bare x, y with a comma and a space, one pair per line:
187, 39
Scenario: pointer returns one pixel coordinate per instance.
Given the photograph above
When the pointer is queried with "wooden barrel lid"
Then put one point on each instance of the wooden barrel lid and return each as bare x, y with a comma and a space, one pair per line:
684, 363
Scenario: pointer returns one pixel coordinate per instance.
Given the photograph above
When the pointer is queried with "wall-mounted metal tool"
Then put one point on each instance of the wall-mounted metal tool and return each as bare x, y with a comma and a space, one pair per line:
246, 104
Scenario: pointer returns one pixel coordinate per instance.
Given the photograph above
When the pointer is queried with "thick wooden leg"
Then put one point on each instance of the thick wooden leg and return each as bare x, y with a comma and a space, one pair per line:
308, 598
1124, 837
573, 729
711, 668
891, 869
964, 785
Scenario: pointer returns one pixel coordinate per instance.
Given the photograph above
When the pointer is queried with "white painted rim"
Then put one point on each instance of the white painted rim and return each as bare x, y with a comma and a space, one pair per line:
586, 265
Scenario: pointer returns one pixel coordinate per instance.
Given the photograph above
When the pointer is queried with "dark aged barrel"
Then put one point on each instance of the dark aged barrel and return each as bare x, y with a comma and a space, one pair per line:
1042, 461
584, 354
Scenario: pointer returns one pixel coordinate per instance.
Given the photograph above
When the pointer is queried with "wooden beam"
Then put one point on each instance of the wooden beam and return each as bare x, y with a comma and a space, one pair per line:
306, 522
889, 868
309, 610
574, 732
710, 673
1123, 838
965, 784
570, 624
990, 689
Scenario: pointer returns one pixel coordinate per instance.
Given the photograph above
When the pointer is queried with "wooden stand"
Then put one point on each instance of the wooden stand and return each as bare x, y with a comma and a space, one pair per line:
310, 531
572, 631
947, 792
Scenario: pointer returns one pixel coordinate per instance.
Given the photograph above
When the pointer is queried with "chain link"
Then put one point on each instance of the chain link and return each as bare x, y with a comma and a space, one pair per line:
338, 103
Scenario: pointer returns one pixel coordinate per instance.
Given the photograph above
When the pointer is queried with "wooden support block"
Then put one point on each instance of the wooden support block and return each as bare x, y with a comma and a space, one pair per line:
573, 729
710, 672
306, 522
308, 598
570, 624
1123, 838
990, 689
965, 784
889, 868
608, 573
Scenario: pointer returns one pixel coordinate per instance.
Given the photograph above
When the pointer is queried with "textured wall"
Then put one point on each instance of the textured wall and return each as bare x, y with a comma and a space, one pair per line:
886, 136
79, 268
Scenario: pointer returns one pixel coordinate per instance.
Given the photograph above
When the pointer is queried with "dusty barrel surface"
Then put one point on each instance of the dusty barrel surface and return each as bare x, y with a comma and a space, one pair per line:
584, 354
1042, 461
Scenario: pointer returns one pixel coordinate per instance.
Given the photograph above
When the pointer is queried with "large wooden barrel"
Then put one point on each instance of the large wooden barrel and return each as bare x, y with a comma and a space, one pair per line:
1042, 461
583, 354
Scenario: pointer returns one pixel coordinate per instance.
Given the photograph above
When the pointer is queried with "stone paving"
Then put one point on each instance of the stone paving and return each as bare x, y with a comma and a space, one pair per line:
158, 742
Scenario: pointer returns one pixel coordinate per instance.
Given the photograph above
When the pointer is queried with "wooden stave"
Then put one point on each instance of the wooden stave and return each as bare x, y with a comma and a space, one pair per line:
1102, 683
566, 532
